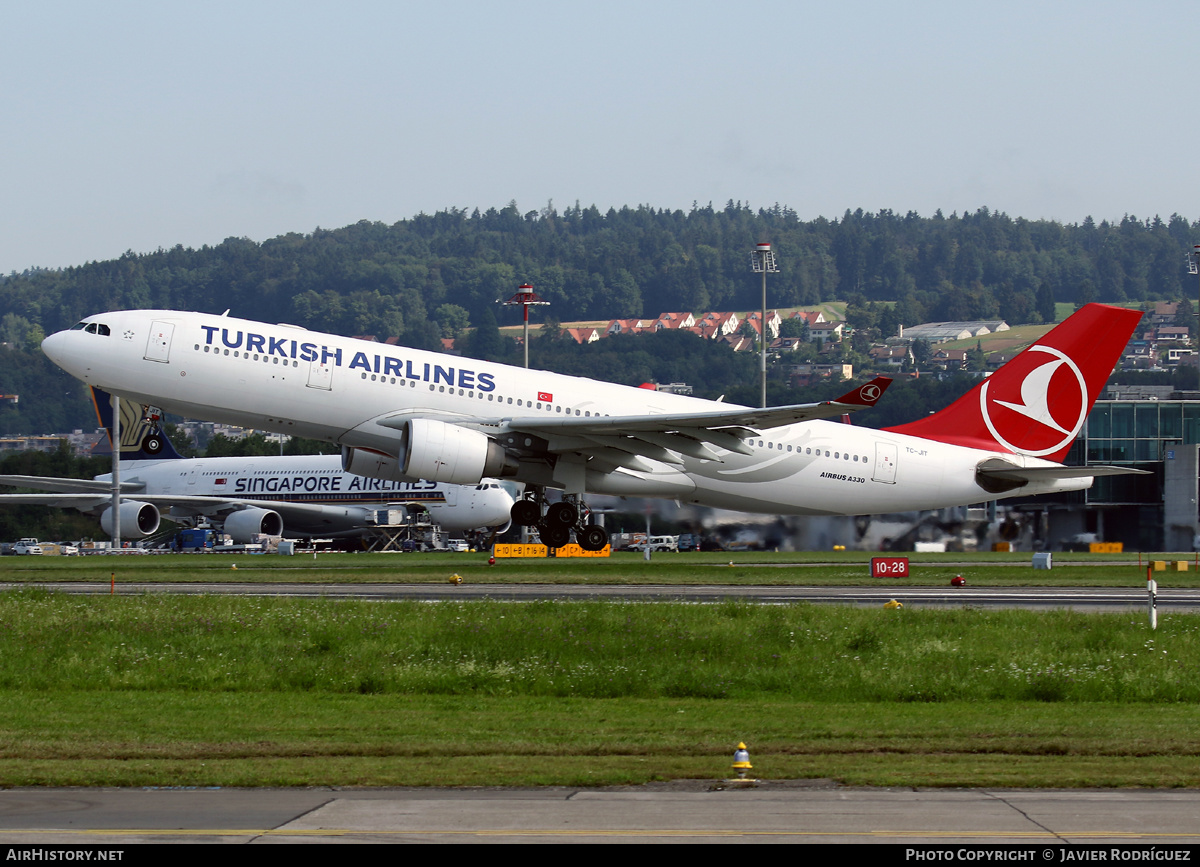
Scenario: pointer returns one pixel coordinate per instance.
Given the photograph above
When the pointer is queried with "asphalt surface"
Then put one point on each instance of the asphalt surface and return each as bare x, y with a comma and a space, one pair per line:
1039, 822
1080, 598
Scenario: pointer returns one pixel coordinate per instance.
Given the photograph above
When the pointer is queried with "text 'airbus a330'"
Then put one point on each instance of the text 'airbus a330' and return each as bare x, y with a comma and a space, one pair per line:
405, 414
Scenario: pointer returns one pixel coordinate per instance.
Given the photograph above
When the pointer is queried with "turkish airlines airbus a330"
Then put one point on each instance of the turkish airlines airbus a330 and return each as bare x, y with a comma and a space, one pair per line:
405, 414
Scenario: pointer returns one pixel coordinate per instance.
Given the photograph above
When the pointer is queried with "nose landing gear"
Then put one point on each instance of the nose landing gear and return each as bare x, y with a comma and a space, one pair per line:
556, 521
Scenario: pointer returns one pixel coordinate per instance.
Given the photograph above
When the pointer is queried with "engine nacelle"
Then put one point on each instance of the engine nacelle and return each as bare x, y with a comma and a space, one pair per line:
452, 454
138, 520
245, 524
435, 451
371, 464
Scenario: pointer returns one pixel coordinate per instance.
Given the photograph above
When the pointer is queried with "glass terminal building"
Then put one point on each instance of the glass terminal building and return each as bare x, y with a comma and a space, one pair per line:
1155, 512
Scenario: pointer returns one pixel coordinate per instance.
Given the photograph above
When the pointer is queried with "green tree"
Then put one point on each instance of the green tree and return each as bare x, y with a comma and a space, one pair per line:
486, 341
1045, 302
452, 319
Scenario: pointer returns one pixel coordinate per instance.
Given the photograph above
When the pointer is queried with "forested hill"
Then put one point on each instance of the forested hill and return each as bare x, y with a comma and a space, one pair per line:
434, 275
414, 277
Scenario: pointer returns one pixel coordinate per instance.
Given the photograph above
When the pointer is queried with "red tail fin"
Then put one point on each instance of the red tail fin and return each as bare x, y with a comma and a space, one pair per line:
1035, 404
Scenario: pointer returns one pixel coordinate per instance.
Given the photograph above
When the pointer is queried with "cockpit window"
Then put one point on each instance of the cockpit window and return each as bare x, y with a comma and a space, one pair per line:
95, 328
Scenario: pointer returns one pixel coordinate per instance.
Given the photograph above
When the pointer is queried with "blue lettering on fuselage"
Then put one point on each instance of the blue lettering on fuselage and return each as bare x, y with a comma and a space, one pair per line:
388, 365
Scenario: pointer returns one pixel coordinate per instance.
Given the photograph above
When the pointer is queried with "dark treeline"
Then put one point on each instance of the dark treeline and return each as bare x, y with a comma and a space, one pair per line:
434, 276
417, 277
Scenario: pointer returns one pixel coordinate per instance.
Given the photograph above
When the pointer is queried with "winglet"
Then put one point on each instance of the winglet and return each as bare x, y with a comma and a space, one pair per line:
866, 395
138, 441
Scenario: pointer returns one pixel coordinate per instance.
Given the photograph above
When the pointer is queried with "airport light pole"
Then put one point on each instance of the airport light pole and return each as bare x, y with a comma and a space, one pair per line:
116, 471
1193, 259
762, 261
526, 297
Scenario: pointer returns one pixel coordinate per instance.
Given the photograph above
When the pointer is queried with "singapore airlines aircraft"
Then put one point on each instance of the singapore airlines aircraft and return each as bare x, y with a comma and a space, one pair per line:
296, 496
404, 414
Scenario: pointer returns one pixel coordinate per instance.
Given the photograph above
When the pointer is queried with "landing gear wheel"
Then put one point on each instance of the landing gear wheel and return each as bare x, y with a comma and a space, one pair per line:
555, 536
592, 538
153, 443
562, 515
524, 513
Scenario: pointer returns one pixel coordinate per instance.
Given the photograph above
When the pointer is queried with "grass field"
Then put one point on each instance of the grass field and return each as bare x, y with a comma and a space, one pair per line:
159, 689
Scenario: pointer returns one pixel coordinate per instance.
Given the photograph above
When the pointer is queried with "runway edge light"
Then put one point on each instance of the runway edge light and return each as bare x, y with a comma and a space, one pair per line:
741, 760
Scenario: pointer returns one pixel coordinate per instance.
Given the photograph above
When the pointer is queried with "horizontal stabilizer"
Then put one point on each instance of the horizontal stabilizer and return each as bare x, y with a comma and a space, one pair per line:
1042, 474
997, 476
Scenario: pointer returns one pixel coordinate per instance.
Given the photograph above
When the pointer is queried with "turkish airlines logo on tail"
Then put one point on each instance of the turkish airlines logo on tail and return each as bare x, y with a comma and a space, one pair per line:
869, 392
1039, 407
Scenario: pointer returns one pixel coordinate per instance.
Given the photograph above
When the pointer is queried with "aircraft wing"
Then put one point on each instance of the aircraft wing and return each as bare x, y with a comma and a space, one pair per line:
82, 502
664, 436
60, 485
180, 505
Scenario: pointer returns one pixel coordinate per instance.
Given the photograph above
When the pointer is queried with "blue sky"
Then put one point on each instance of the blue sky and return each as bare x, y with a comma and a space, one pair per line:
128, 125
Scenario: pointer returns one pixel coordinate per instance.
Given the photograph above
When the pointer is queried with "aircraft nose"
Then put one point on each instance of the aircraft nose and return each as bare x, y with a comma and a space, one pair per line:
499, 502
55, 347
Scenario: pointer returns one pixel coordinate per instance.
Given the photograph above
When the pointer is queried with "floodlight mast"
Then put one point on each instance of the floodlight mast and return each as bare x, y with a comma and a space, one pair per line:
526, 297
1193, 260
762, 261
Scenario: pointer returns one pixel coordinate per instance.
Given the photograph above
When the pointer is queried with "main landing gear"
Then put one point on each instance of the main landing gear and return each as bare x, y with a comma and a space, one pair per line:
556, 521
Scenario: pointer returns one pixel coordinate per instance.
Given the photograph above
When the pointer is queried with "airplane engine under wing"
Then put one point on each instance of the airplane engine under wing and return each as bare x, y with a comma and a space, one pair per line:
244, 524
138, 520
435, 451
448, 453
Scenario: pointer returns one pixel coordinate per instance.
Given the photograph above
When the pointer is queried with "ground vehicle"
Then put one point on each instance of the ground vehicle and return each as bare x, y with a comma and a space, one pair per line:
459, 545
195, 539
27, 546
689, 542
657, 543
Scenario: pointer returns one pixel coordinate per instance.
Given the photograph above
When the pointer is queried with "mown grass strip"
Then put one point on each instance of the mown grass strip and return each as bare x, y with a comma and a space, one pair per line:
254, 739
166, 690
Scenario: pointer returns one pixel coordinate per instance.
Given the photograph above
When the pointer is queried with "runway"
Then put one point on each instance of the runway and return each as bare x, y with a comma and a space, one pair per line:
1079, 598
1038, 822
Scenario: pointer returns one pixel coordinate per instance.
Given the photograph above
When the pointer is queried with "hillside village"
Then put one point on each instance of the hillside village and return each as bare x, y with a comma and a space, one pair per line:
817, 347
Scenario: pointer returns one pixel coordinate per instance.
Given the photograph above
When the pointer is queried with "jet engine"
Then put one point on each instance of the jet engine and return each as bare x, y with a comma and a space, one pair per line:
371, 464
435, 451
138, 520
244, 524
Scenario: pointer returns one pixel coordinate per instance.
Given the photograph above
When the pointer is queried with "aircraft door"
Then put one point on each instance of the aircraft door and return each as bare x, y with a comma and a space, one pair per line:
320, 375
158, 345
885, 464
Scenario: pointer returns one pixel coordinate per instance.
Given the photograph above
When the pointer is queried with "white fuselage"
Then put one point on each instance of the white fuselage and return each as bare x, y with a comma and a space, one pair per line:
289, 380
351, 503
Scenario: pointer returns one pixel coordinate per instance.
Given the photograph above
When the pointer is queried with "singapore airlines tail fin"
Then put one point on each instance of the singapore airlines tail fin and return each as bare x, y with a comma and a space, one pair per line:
139, 440
1036, 403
